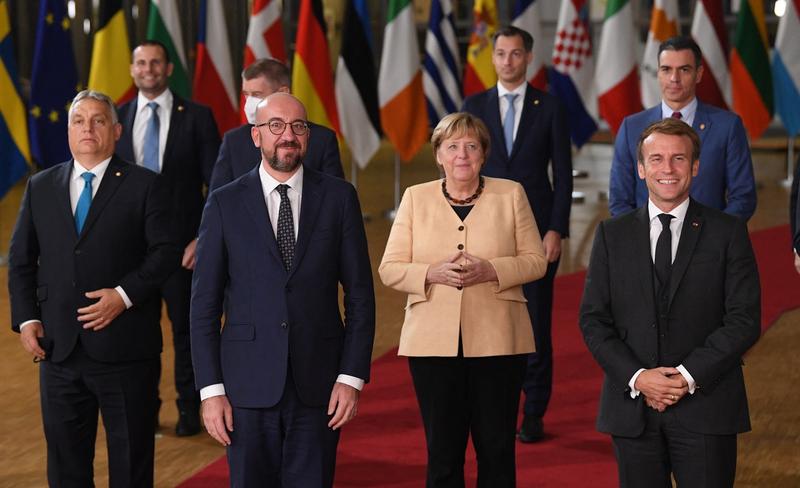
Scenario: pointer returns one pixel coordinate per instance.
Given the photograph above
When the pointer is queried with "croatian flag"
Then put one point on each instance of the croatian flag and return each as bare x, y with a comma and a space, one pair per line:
786, 68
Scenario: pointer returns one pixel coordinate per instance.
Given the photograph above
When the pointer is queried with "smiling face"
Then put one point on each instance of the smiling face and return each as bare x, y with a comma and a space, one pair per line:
284, 152
510, 60
678, 76
150, 70
667, 168
461, 157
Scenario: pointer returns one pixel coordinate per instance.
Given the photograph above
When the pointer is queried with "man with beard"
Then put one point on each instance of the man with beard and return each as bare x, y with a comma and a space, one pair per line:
283, 375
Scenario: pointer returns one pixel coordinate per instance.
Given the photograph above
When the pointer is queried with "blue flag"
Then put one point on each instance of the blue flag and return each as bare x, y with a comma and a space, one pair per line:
54, 83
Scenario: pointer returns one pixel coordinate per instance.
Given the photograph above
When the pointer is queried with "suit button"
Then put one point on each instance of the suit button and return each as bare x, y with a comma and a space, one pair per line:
460, 227
288, 289
460, 247
459, 287
652, 358
77, 251
284, 325
653, 325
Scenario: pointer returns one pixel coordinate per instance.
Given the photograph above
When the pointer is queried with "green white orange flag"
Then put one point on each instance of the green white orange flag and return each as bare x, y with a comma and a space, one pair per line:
479, 74
109, 71
616, 76
751, 78
663, 25
164, 25
403, 113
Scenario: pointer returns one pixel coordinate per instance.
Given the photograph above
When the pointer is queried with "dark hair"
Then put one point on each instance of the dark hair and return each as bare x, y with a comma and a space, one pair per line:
671, 127
681, 43
511, 31
276, 73
153, 42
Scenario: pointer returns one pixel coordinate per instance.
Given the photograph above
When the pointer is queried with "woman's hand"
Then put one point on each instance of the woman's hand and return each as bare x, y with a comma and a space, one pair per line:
476, 270
446, 272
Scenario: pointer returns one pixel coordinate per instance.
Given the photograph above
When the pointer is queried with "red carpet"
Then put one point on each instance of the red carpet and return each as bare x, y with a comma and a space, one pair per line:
385, 445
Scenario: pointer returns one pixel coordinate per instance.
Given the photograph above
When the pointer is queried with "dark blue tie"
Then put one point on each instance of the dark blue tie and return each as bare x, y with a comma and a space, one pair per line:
84, 201
508, 122
150, 148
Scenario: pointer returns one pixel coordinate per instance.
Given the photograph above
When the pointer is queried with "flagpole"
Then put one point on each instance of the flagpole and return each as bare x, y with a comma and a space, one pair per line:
392, 212
790, 162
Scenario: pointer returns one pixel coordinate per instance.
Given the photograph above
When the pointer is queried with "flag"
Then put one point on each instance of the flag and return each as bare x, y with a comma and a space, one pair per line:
786, 68
15, 153
164, 25
480, 74
441, 75
109, 71
663, 25
356, 85
54, 83
312, 75
571, 77
751, 78
710, 33
617, 74
400, 93
526, 16
264, 38
213, 71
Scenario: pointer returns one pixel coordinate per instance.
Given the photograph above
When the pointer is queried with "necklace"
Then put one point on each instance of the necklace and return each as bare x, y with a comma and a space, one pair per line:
469, 199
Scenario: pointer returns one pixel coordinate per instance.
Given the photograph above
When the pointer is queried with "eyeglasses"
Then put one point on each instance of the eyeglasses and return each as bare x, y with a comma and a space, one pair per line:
277, 126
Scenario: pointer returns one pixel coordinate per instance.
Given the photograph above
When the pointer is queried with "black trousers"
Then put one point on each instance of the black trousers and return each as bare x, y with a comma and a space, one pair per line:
538, 382
72, 393
665, 448
460, 396
177, 294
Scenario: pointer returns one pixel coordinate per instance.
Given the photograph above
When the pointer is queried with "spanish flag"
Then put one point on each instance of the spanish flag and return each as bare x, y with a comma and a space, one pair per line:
312, 75
480, 74
111, 55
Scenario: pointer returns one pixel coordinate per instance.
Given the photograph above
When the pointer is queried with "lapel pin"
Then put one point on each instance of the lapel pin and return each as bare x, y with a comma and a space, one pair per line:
702, 126
180, 108
118, 173
536, 102
695, 224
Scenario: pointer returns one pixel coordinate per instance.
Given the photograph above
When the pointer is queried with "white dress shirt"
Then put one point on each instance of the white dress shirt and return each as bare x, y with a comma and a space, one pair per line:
687, 112
142, 119
273, 200
518, 103
675, 226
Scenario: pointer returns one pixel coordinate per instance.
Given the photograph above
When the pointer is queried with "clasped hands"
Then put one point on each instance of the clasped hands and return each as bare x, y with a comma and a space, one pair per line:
461, 269
661, 387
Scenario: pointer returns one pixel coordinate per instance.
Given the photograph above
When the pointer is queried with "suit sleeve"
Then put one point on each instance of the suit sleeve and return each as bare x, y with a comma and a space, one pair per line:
398, 269
331, 160
740, 181
622, 181
793, 213
209, 143
23, 258
223, 172
562, 173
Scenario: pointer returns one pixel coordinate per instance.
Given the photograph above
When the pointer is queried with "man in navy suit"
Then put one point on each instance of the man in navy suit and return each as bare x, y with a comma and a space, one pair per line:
284, 374
725, 179
529, 137
238, 154
178, 139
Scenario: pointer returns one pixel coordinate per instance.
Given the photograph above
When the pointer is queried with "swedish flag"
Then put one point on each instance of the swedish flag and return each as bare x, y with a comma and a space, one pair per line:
15, 152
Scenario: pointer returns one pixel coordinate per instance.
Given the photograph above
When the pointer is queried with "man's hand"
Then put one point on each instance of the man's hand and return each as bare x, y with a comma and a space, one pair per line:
662, 386
343, 405
218, 418
797, 262
189, 254
477, 270
102, 312
28, 336
552, 246
445, 272
655, 405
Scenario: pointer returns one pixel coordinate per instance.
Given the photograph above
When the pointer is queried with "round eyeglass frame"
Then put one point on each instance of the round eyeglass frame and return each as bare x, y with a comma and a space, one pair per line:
299, 127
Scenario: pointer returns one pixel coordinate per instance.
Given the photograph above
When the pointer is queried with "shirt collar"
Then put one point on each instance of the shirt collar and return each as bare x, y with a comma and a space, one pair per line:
503, 91
678, 212
164, 101
687, 112
268, 183
78, 169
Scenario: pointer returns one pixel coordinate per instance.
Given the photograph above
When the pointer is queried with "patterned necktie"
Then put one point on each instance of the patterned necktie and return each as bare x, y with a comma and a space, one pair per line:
508, 122
150, 148
285, 228
677, 115
84, 201
663, 260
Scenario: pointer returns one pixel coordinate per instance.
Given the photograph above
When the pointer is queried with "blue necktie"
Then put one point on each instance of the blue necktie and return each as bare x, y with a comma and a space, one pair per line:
151, 139
508, 122
84, 201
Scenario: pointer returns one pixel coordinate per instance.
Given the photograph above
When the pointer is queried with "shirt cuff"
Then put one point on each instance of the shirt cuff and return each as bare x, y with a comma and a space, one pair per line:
356, 383
128, 302
634, 391
687, 377
28, 322
217, 389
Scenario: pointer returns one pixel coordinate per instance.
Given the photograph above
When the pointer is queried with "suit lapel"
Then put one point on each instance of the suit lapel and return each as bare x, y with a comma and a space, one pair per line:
115, 173
313, 192
641, 236
176, 120
62, 197
530, 105
690, 232
702, 122
125, 144
257, 207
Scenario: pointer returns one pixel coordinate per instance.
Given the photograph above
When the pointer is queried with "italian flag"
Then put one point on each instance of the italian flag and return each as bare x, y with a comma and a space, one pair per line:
402, 102
751, 78
164, 25
616, 78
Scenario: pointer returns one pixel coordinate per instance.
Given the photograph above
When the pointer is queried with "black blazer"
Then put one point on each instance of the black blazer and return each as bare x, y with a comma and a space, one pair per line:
192, 146
124, 242
238, 154
542, 140
713, 318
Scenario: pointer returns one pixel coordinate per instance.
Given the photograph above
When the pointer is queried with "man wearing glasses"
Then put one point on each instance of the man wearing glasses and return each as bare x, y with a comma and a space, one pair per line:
285, 372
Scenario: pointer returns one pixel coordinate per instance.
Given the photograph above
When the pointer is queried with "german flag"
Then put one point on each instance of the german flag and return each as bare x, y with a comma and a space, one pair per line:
110, 69
312, 75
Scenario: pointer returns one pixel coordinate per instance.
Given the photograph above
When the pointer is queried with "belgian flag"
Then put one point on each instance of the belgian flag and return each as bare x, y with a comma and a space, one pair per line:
110, 69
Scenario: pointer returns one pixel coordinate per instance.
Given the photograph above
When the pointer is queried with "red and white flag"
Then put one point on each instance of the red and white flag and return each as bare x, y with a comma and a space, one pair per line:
663, 25
708, 31
265, 33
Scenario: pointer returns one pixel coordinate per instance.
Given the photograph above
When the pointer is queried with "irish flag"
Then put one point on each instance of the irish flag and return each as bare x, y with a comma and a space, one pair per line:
402, 101
164, 25
616, 77
663, 25
479, 74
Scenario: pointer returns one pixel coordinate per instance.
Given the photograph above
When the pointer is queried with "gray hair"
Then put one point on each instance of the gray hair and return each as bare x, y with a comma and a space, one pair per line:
98, 96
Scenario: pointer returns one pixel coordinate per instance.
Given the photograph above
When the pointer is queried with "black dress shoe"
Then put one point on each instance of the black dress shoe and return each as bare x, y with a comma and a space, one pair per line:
532, 429
188, 421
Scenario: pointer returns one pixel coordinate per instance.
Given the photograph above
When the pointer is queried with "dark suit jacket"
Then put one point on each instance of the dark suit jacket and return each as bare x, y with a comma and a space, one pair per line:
192, 146
271, 316
542, 140
124, 242
725, 180
793, 213
713, 317
238, 154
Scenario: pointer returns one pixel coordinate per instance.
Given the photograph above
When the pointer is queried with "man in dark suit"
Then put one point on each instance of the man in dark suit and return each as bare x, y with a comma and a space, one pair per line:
794, 215
284, 373
725, 180
671, 303
529, 136
89, 251
238, 154
179, 139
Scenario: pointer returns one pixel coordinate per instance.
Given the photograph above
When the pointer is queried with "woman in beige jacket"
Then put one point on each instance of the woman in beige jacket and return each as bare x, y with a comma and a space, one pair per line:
462, 247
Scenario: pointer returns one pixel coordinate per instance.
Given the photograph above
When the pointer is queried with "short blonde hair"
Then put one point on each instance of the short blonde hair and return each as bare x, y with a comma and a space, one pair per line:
460, 124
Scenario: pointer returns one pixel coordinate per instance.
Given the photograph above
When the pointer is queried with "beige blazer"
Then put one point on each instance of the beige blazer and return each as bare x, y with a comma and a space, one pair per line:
492, 317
